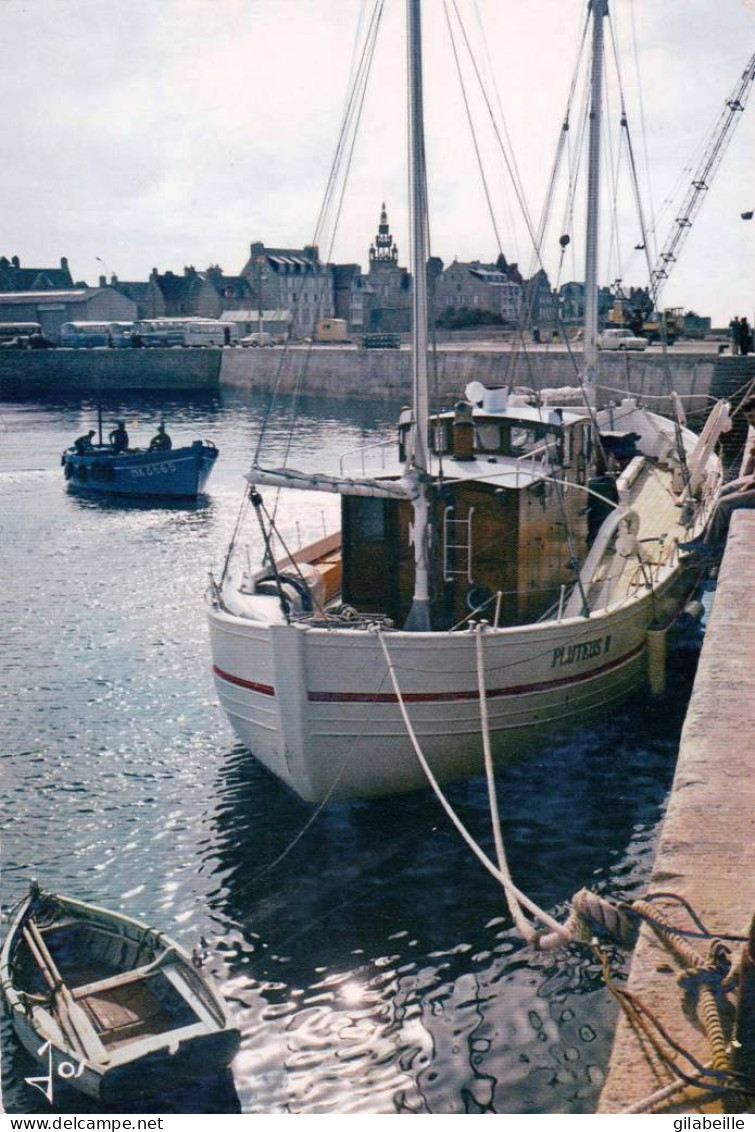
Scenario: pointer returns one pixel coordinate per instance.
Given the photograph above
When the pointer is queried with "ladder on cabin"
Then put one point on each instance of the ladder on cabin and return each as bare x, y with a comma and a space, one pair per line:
457, 545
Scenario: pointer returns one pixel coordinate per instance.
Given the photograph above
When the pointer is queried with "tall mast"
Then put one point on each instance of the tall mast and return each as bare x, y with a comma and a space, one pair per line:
599, 12
419, 614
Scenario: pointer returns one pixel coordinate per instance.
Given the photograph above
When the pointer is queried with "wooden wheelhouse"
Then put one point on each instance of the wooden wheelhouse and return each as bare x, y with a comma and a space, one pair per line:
508, 517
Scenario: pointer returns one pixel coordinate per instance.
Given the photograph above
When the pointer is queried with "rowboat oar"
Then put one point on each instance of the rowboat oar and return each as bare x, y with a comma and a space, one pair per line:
73, 1020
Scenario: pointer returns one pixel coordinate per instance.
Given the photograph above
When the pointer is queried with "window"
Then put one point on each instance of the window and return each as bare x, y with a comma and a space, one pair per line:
370, 520
488, 438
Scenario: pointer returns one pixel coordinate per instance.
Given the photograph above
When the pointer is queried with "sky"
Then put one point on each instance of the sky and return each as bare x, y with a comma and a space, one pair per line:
141, 134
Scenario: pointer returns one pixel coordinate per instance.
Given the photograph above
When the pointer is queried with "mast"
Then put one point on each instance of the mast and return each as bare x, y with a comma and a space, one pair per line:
419, 614
599, 12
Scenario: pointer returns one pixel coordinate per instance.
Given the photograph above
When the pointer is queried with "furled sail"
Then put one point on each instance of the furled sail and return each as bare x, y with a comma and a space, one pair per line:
338, 485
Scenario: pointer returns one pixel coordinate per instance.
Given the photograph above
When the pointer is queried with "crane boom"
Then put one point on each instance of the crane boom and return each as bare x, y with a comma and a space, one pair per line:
702, 179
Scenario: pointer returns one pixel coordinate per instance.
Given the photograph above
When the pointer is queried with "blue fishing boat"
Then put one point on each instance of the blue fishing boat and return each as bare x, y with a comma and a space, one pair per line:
157, 472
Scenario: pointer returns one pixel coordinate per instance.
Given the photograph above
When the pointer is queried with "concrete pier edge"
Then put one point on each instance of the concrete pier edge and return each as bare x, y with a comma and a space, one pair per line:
707, 834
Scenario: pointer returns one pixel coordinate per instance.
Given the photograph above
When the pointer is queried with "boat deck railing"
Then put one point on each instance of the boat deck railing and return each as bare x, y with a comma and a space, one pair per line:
383, 451
537, 462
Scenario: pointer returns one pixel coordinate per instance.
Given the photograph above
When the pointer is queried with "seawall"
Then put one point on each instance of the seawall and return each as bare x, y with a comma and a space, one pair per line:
72, 370
705, 846
348, 372
335, 372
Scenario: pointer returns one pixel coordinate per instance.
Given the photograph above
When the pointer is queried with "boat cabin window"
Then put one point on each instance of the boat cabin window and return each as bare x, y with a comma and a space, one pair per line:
523, 440
370, 519
488, 438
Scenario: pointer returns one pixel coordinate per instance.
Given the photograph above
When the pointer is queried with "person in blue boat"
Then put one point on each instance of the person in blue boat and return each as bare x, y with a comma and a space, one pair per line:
119, 437
83, 444
161, 442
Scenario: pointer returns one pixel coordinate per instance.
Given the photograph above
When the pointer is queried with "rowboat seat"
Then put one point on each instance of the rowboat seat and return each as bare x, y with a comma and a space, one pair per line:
124, 1013
125, 977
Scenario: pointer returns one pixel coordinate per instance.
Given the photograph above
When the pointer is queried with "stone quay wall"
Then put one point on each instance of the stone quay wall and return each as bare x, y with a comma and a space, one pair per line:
705, 848
386, 374
342, 372
73, 370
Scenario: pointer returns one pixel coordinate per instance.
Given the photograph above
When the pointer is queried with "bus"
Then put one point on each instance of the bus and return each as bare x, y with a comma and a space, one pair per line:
82, 335
186, 332
19, 332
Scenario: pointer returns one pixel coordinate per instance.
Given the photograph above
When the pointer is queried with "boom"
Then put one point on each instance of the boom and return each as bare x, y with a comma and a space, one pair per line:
702, 179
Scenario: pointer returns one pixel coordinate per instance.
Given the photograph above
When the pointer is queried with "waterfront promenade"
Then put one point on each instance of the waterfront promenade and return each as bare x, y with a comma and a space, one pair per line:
706, 841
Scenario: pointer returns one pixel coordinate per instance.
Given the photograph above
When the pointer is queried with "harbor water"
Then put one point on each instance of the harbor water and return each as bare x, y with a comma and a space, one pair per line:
368, 959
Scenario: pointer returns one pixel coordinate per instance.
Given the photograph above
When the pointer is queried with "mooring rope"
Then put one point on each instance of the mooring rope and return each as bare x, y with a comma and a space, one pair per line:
559, 935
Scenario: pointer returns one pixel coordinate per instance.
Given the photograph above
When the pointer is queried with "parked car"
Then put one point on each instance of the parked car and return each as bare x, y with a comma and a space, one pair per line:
259, 338
620, 340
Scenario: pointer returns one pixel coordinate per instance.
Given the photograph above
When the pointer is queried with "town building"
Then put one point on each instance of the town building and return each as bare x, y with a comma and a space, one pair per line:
173, 296
476, 288
235, 291
51, 308
351, 296
292, 279
247, 321
14, 277
571, 302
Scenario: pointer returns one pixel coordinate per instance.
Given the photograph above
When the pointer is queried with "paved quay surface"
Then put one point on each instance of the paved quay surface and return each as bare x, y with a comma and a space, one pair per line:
706, 843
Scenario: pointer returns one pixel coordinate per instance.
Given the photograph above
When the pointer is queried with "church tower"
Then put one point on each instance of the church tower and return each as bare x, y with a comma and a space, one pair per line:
384, 250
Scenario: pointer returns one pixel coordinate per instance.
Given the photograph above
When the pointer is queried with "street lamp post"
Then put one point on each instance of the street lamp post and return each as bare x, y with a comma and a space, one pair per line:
107, 269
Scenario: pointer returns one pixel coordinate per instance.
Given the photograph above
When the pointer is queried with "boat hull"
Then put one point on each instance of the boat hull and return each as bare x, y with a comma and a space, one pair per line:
157, 1072
120, 1028
181, 473
318, 709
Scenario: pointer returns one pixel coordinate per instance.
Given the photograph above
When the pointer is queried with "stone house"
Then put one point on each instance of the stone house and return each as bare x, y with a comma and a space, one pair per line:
14, 277
172, 296
351, 296
292, 279
571, 302
477, 286
235, 291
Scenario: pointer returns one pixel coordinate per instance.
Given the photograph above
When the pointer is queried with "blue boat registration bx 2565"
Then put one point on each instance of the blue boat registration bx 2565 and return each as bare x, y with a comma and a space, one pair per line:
178, 473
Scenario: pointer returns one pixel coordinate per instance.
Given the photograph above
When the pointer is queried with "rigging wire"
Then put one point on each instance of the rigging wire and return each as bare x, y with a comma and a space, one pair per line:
472, 129
355, 99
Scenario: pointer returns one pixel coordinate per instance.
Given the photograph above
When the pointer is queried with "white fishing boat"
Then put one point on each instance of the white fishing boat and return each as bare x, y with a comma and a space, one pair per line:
107, 1004
499, 578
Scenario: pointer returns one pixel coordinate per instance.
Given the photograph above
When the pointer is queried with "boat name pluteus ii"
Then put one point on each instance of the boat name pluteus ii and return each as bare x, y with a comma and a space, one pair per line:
499, 574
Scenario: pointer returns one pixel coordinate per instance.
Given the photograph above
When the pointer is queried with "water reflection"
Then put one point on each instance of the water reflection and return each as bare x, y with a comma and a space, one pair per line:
369, 959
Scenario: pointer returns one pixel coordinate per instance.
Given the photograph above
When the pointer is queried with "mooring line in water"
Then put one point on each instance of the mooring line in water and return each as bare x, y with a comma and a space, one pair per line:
562, 935
559, 935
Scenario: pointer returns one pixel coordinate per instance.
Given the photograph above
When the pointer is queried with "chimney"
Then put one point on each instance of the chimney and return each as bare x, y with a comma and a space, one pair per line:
103, 281
15, 261
153, 273
113, 280
63, 263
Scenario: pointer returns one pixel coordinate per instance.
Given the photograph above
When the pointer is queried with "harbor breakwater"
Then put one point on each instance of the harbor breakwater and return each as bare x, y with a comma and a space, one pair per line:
368, 374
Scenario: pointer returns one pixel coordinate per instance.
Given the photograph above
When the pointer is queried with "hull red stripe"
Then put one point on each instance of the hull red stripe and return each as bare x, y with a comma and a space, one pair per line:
437, 697
263, 689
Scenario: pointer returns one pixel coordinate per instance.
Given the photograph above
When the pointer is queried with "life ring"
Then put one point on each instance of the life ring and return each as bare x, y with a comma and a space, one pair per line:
297, 585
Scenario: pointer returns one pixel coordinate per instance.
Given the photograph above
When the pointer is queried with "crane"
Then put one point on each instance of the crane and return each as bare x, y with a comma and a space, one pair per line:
702, 179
